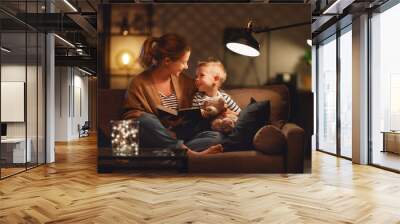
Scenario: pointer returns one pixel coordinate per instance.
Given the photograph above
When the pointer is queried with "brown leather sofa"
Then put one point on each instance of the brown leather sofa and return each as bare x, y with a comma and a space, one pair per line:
289, 159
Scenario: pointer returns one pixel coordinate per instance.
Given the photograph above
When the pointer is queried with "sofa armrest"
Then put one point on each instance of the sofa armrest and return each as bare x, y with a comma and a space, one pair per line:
295, 139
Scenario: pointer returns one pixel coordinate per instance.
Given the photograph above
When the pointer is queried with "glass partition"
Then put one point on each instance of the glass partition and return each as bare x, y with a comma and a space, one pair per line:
22, 89
14, 153
31, 97
41, 91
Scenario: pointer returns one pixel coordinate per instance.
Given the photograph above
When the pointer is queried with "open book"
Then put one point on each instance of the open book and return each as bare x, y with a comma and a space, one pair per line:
190, 113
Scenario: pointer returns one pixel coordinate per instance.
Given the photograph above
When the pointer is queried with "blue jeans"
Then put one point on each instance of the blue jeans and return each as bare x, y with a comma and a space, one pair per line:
153, 134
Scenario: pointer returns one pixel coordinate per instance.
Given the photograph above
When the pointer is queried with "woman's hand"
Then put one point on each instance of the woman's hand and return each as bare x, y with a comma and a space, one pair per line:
173, 134
170, 124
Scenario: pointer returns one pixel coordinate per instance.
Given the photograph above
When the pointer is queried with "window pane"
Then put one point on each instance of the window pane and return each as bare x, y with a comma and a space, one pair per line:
327, 96
346, 94
385, 114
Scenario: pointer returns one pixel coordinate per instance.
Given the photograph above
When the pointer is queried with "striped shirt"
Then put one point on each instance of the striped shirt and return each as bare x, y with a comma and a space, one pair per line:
169, 101
200, 97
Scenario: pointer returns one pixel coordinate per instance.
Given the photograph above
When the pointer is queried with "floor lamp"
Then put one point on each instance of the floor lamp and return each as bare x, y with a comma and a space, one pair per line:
243, 42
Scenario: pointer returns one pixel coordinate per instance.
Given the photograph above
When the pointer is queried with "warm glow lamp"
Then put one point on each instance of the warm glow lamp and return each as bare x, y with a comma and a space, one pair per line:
247, 49
126, 58
243, 42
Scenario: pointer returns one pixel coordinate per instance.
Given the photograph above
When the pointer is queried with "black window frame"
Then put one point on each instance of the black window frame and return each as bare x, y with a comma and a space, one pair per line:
333, 33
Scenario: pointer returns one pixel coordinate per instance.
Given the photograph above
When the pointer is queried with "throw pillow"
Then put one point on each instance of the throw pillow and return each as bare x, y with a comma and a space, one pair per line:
251, 119
269, 140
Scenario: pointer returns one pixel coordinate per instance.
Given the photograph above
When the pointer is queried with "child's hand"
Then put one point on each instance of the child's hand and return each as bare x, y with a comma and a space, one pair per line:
204, 113
216, 124
224, 125
211, 111
227, 125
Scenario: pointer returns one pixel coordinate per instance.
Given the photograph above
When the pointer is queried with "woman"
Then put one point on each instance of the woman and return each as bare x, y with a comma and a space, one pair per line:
162, 83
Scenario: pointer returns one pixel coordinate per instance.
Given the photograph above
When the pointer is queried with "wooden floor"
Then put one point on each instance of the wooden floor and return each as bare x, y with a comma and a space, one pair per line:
5, 172
71, 191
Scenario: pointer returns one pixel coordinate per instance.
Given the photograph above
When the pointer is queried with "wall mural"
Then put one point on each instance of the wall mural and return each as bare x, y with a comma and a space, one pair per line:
265, 109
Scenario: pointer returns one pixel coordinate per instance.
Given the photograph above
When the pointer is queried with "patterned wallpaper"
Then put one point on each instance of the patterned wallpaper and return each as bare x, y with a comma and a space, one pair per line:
203, 25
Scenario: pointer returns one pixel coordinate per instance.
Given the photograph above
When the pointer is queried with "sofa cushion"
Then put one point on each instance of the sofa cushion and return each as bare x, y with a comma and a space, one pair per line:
251, 118
278, 95
269, 140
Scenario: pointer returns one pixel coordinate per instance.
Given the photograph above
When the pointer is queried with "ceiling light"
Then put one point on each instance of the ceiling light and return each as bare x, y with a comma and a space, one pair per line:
70, 5
337, 7
84, 71
5, 50
309, 42
79, 44
65, 41
125, 26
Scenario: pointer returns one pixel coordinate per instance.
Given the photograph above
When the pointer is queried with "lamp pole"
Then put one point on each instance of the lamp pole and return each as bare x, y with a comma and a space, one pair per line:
268, 30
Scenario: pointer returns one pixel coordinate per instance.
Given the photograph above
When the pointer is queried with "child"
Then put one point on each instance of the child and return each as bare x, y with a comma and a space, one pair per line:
210, 75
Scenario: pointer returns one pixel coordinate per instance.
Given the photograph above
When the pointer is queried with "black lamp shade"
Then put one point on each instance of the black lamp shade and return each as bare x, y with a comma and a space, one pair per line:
242, 42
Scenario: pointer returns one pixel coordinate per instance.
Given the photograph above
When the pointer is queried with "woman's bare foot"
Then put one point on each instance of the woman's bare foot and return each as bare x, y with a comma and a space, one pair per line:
211, 150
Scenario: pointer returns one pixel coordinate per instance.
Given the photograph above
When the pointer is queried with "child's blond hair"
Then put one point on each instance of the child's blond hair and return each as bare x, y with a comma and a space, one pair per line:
215, 63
